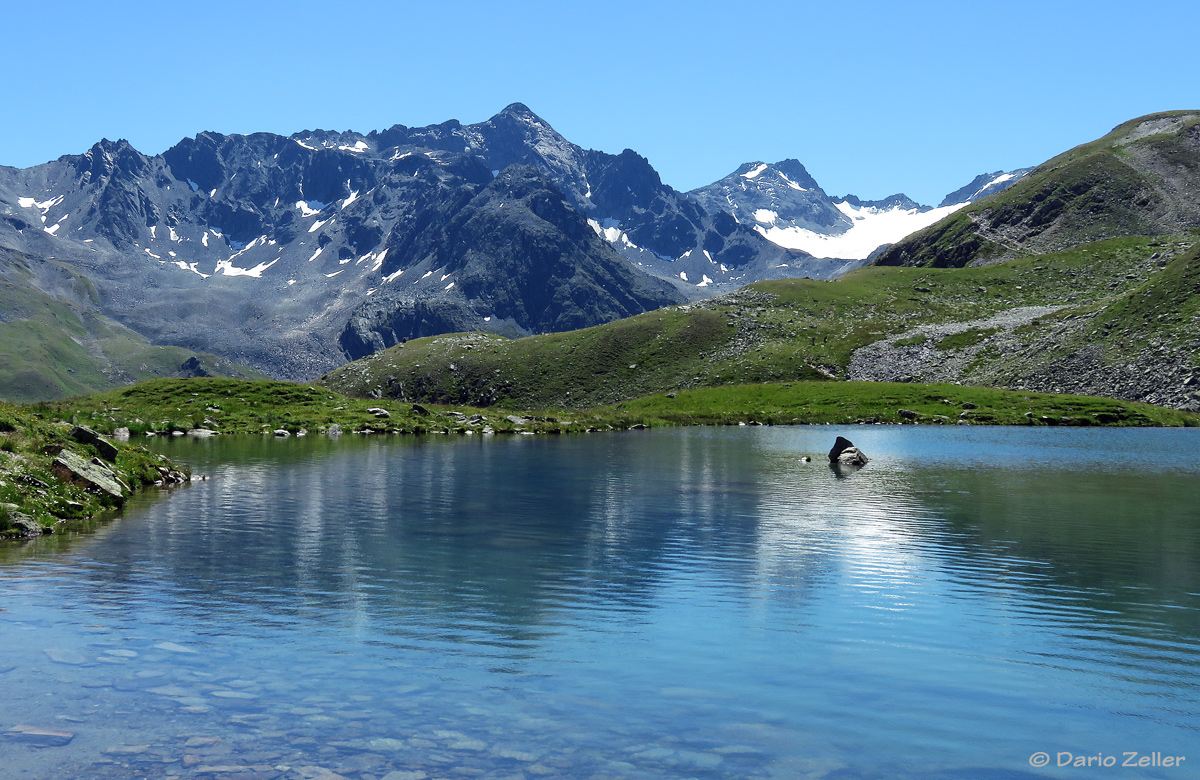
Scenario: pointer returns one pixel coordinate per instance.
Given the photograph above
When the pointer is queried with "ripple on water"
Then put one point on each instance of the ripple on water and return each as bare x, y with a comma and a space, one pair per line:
680, 604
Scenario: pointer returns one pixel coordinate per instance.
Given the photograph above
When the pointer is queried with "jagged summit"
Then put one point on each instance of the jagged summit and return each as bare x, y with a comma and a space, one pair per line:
291, 253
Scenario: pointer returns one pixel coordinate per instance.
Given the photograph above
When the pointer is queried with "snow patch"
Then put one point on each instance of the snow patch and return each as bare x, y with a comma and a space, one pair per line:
229, 269
204, 239
173, 235
306, 146
870, 229
766, 216
393, 276
358, 148
44, 205
704, 281
191, 267
335, 273
449, 285
147, 251
317, 225
310, 208
353, 197
755, 173
154, 232
54, 229
316, 254
683, 275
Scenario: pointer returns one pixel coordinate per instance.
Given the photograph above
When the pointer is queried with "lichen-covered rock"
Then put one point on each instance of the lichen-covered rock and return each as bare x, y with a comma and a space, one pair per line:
93, 474
18, 524
107, 449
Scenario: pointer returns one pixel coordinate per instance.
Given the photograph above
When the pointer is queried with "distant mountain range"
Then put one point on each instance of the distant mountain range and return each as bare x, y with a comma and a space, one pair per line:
291, 255
1082, 277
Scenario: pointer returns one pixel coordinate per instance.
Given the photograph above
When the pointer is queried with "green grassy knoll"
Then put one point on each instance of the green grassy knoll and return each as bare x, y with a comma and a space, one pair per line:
1142, 178
885, 402
30, 486
165, 407
776, 331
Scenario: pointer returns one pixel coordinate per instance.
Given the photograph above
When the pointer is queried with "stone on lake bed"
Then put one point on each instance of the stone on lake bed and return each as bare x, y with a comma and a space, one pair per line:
233, 695
125, 750
317, 773
41, 737
171, 647
65, 656
169, 690
201, 741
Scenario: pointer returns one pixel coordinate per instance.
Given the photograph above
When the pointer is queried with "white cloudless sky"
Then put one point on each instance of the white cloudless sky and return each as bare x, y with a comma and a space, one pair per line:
872, 97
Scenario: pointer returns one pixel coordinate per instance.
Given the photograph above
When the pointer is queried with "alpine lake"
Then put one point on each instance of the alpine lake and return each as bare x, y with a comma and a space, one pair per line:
980, 603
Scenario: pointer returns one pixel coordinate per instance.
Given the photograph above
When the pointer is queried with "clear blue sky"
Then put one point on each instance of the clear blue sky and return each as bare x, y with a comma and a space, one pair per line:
873, 97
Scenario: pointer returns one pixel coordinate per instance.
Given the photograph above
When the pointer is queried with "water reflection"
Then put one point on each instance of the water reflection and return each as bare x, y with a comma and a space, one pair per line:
694, 603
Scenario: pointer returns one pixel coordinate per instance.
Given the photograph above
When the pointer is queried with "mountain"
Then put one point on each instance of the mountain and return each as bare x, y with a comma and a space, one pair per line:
58, 343
983, 185
1117, 318
785, 205
1143, 178
656, 228
292, 254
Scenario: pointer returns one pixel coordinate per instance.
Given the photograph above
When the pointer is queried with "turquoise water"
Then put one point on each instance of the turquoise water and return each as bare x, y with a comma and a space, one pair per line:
693, 603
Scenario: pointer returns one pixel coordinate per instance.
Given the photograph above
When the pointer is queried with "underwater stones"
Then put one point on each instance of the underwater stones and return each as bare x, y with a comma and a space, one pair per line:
41, 737
405, 775
65, 656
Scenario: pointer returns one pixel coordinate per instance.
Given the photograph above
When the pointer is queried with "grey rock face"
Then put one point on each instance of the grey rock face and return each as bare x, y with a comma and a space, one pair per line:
94, 474
844, 452
103, 446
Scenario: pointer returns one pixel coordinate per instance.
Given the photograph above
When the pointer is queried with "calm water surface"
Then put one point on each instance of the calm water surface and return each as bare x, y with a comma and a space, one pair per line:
691, 603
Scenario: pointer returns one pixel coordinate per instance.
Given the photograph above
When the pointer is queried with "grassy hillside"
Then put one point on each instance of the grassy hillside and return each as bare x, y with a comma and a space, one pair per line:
31, 487
1143, 178
886, 402
53, 346
173, 406
802, 330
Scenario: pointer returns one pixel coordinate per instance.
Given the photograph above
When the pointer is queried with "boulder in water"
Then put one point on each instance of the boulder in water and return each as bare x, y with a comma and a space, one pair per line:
845, 453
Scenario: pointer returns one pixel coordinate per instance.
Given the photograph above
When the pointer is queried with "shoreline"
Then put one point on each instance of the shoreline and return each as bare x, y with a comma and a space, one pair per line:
73, 460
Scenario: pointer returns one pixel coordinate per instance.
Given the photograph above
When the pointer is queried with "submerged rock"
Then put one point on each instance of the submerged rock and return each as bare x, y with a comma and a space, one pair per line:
40, 736
845, 453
